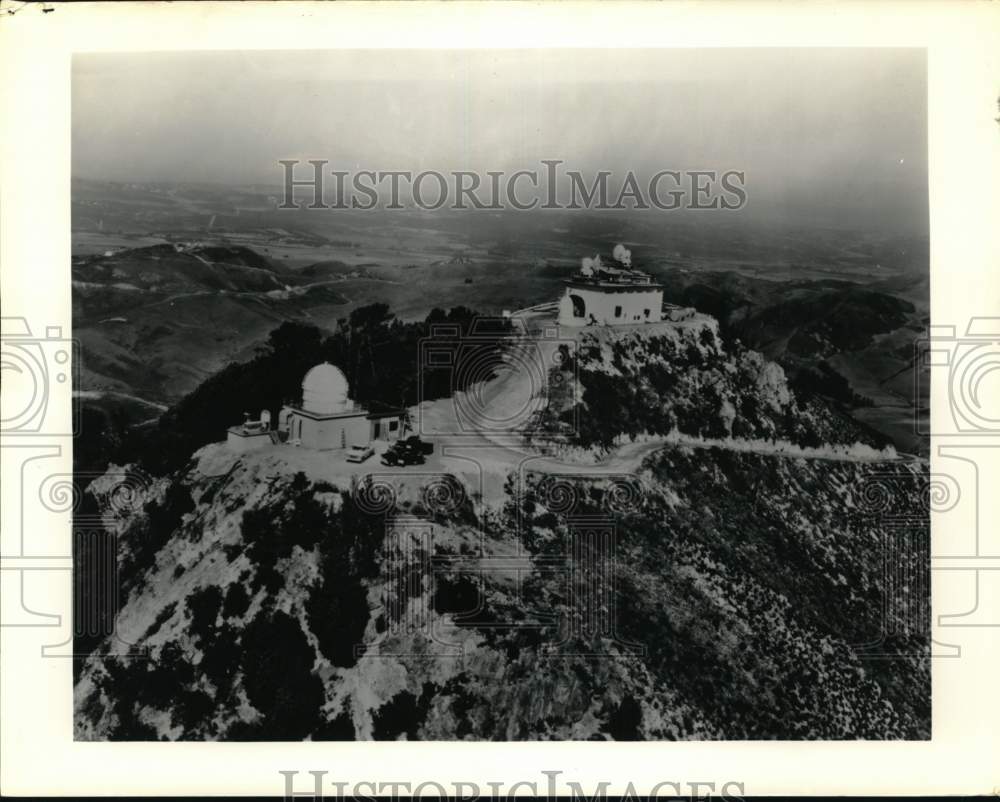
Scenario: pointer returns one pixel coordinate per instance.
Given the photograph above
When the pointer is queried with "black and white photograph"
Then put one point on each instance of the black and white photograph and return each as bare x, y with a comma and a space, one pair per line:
563, 399
501, 395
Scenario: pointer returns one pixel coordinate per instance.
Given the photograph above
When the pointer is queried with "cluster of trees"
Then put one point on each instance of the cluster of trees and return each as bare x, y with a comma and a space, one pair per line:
266, 653
694, 569
379, 354
349, 542
822, 380
690, 385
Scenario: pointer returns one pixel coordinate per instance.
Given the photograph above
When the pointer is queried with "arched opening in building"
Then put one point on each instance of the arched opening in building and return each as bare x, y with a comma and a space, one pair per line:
579, 308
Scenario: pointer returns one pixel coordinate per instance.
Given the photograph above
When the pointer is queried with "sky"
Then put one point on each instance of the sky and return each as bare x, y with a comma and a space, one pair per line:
836, 135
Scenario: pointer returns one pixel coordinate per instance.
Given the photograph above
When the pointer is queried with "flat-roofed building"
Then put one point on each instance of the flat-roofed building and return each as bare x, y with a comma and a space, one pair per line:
606, 296
326, 419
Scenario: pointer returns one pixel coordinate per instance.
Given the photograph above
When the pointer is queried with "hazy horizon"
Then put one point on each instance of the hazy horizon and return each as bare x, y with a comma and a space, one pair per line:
834, 136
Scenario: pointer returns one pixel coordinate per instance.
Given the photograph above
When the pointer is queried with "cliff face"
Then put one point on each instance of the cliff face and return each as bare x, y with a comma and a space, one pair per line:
714, 593
657, 379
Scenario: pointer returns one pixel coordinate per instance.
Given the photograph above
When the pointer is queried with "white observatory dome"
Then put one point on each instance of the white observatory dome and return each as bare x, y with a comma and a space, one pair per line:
324, 390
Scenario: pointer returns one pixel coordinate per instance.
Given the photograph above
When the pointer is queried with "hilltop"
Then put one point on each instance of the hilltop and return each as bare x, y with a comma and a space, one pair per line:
621, 383
743, 592
155, 321
838, 339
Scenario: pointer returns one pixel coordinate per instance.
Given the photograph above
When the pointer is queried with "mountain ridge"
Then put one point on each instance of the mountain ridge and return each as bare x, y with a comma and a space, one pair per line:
742, 594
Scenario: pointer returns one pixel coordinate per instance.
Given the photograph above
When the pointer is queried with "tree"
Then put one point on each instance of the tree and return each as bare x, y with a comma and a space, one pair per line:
278, 678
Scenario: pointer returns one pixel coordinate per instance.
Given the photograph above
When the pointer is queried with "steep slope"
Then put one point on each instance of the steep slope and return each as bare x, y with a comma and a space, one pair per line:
738, 593
156, 321
711, 594
859, 333
621, 383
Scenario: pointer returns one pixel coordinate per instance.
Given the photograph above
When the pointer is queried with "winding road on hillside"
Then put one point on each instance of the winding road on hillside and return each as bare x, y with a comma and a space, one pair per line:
478, 437
478, 433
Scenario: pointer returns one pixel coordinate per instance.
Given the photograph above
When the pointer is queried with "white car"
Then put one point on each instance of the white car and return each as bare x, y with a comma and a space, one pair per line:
359, 453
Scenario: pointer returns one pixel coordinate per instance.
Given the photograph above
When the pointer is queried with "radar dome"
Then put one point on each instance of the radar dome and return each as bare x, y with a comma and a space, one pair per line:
325, 390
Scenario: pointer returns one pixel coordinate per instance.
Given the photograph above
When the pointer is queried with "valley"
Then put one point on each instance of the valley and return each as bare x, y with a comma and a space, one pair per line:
173, 282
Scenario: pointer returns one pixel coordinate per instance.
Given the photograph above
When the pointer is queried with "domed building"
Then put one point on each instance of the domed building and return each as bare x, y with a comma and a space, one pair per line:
326, 419
325, 390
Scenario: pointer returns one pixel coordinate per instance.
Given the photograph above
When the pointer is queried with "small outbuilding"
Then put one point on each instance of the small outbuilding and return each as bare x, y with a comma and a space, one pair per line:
251, 434
327, 418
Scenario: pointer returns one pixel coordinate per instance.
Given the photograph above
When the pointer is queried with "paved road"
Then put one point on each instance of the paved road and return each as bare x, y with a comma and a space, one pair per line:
476, 438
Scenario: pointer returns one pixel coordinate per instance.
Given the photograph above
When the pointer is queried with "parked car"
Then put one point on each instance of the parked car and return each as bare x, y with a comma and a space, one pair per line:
403, 453
359, 453
418, 445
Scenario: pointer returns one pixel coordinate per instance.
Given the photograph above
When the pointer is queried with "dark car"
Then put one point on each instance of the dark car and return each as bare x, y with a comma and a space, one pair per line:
402, 453
418, 445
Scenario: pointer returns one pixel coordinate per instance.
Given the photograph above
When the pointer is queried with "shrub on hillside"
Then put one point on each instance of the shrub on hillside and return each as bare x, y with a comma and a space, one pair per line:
278, 677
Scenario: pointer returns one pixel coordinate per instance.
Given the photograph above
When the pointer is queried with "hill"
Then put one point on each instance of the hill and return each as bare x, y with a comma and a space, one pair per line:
841, 340
713, 593
656, 379
378, 353
742, 589
155, 321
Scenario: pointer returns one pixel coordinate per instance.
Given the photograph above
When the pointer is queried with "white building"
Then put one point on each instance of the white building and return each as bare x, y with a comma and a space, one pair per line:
607, 296
326, 418
251, 434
